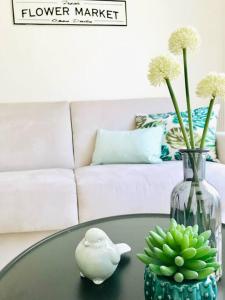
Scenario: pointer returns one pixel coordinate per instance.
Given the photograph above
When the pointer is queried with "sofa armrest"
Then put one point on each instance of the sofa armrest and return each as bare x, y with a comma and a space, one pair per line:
220, 140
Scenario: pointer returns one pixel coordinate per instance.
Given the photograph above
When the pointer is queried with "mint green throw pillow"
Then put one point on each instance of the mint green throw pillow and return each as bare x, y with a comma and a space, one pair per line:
127, 147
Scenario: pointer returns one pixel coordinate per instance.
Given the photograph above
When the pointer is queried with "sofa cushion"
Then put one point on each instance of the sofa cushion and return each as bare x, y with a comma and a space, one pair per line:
38, 200
173, 139
12, 244
125, 189
128, 146
35, 136
89, 116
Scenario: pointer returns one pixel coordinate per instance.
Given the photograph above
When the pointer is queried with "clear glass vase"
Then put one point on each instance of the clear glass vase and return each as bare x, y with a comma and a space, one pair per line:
195, 201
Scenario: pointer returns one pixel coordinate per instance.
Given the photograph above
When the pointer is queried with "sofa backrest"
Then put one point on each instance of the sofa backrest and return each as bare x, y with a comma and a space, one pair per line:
88, 116
35, 136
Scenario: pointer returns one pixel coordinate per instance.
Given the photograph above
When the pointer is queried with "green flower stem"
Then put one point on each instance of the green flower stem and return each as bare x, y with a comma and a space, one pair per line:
191, 194
207, 122
188, 99
198, 190
200, 201
175, 104
195, 184
195, 189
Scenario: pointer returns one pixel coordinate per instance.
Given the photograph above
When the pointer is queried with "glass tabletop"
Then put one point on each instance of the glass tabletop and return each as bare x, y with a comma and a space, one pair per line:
47, 270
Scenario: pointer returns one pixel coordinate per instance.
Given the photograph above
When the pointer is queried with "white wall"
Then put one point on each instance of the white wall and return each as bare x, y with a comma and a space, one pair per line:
39, 63
222, 102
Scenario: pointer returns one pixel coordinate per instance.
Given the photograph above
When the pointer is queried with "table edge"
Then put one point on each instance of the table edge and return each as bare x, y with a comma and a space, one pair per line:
7, 267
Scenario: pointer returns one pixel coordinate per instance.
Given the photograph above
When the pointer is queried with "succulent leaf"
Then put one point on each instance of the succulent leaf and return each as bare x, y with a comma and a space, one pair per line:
161, 256
188, 230
148, 252
144, 258
169, 251
148, 242
200, 242
153, 241
189, 274
195, 229
214, 265
178, 277
210, 259
160, 231
178, 236
179, 252
193, 242
170, 240
157, 238
189, 253
206, 234
205, 272
173, 224
195, 264
168, 271
179, 261
155, 269
202, 251
185, 241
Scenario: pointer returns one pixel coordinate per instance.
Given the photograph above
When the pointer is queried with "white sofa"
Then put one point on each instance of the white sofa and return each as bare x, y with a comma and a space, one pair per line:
107, 190
42, 147
37, 189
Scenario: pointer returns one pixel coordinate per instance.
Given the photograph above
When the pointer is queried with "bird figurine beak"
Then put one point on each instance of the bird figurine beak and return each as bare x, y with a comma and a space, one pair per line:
86, 244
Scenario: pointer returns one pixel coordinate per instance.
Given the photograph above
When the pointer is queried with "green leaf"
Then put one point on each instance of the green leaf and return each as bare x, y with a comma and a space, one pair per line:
168, 271
157, 238
195, 264
195, 229
178, 277
214, 265
179, 261
202, 251
188, 253
160, 231
148, 242
169, 251
144, 258
178, 236
185, 241
200, 242
189, 274
155, 269
205, 273
170, 240
149, 252
161, 256
206, 235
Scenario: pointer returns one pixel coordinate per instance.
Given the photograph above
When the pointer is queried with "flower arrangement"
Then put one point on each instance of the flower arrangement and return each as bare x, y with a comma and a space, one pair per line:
179, 261
163, 70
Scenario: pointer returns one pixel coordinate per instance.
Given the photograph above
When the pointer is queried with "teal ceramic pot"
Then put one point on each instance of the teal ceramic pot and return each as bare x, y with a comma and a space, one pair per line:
162, 288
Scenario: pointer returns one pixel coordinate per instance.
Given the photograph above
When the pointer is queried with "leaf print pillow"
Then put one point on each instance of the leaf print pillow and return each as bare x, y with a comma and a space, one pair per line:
173, 139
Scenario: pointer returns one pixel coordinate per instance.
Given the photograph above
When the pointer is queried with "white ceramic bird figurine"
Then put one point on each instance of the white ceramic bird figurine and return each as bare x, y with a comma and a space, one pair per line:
97, 256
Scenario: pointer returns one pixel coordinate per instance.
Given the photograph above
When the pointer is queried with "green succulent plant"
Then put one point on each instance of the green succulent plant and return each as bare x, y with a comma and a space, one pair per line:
180, 253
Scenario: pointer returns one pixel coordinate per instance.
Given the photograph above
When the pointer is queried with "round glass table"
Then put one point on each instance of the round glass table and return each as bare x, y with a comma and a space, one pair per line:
47, 270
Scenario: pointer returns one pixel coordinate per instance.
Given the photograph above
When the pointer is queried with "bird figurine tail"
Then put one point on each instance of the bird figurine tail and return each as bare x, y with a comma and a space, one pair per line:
123, 248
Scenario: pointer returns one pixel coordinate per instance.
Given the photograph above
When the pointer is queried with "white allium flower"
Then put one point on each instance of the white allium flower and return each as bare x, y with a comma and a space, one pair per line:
161, 68
213, 85
184, 38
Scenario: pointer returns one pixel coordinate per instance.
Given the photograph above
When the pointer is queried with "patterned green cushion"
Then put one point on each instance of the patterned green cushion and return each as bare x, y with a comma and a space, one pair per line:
173, 139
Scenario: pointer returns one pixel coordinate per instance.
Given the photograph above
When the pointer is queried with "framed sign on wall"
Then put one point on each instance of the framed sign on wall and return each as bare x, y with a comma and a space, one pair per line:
70, 12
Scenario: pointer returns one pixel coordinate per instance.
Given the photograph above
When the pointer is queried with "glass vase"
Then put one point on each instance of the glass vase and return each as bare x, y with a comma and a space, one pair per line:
195, 201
